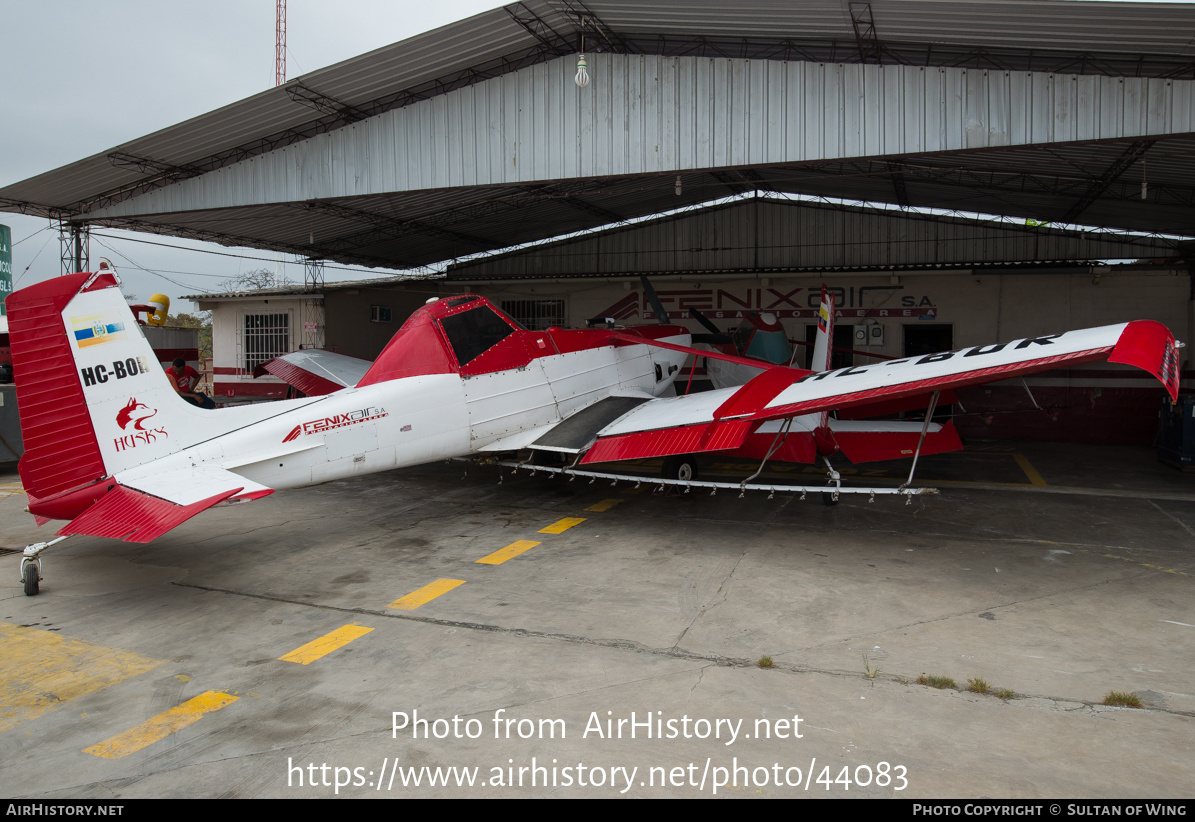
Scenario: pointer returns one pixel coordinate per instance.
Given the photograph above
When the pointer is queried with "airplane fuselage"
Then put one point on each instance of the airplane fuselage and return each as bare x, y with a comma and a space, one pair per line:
419, 419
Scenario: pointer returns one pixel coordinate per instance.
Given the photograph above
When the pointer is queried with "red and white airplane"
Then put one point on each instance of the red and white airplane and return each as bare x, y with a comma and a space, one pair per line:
115, 452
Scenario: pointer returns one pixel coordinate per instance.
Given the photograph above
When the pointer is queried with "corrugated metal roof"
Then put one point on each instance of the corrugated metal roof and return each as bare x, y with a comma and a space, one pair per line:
409, 228
1153, 39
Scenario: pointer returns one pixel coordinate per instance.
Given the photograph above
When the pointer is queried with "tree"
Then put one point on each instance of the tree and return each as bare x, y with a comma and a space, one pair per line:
255, 280
202, 321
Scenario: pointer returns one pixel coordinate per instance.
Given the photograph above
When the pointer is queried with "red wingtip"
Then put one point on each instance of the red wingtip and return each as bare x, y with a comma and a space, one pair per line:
1150, 346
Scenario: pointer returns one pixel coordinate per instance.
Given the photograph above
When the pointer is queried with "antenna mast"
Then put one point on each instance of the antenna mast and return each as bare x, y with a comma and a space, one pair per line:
280, 44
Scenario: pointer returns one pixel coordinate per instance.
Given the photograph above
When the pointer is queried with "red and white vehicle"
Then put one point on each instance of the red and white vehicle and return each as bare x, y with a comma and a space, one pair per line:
115, 452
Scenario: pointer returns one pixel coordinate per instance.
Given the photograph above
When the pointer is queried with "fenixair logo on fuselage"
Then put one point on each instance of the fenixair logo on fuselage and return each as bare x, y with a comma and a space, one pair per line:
118, 370
338, 421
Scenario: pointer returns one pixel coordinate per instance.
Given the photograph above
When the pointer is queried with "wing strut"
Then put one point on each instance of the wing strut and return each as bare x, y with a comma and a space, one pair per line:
777, 441
929, 415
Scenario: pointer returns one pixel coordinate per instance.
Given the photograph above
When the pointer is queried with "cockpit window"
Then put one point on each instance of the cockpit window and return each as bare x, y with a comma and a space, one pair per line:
455, 301
473, 332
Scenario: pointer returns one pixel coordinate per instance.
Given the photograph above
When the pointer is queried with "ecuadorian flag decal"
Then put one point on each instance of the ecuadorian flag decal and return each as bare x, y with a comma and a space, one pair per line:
96, 330
823, 318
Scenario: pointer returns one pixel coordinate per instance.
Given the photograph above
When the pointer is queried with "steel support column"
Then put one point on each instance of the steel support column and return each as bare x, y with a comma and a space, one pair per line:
74, 247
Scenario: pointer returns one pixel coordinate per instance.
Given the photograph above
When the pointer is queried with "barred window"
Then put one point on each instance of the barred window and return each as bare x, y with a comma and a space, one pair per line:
264, 336
536, 315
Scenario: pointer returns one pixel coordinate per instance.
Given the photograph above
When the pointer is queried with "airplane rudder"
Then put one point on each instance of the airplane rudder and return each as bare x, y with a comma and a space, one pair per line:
61, 449
92, 397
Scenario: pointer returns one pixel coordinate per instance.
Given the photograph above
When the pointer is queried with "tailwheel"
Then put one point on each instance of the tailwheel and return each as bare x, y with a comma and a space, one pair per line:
31, 578
31, 565
681, 467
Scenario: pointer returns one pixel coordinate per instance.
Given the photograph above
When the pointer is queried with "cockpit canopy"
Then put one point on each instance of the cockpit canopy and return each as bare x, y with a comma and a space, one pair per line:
465, 335
762, 337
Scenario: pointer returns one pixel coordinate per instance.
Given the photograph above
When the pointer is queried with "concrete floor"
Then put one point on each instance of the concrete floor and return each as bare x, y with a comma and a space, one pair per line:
1059, 572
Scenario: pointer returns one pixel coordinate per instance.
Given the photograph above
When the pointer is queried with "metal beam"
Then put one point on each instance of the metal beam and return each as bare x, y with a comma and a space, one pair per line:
730, 180
587, 21
537, 27
1013, 181
394, 226
323, 103
898, 184
1132, 154
865, 34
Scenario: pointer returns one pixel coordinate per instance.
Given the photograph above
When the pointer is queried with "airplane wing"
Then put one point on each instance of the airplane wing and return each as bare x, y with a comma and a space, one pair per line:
315, 371
721, 420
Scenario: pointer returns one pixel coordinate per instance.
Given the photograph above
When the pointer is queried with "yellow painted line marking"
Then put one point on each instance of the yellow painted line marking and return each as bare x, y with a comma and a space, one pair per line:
41, 671
1031, 472
326, 644
161, 726
509, 552
425, 594
560, 526
1141, 564
604, 505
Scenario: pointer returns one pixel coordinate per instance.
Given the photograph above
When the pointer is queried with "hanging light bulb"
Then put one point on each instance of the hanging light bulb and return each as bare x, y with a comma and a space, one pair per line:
582, 78
678, 186
1144, 184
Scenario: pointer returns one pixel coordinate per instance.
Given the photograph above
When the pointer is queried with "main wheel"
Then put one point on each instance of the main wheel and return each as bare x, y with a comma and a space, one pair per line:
681, 467
829, 498
30, 576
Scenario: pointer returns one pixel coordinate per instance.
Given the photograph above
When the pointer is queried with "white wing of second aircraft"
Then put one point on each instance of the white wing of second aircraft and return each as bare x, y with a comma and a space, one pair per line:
721, 420
315, 371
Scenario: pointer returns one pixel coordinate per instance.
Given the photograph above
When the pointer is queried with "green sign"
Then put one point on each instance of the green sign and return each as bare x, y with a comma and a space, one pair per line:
5, 266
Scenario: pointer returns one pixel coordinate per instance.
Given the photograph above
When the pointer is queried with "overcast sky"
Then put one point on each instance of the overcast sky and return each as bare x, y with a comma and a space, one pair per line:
78, 78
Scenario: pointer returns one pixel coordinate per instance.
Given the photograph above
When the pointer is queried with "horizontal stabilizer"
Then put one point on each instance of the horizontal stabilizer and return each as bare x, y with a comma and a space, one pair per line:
133, 516
190, 483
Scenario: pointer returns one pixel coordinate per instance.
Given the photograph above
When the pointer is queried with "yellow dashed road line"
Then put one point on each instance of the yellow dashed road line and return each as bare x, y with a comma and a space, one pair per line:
326, 644
509, 552
1031, 472
161, 726
560, 526
1141, 564
604, 505
425, 594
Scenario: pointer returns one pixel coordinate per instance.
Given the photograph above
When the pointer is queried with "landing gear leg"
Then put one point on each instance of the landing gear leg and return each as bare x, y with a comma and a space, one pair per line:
31, 565
835, 479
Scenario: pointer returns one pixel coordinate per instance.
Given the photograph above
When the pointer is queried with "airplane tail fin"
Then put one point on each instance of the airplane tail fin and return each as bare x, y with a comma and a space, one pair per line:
823, 356
92, 396
823, 345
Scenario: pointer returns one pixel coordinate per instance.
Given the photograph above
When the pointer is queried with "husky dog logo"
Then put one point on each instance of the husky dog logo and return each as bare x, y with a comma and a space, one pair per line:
132, 419
131, 413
